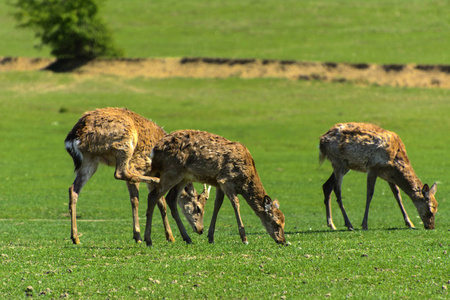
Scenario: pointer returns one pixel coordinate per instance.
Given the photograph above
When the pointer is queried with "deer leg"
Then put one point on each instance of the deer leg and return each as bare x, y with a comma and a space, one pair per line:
123, 169
217, 204
163, 209
152, 200
85, 172
73, 198
371, 180
395, 190
235, 203
133, 189
328, 187
337, 191
171, 198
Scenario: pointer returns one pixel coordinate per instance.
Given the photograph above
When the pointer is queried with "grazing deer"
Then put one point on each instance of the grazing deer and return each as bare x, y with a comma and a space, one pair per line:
379, 153
121, 138
188, 155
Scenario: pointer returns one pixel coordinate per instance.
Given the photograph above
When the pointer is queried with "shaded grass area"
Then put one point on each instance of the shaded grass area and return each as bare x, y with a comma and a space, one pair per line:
401, 31
280, 122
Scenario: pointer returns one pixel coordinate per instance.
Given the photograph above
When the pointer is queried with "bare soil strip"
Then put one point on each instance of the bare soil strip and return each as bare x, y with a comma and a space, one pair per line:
409, 75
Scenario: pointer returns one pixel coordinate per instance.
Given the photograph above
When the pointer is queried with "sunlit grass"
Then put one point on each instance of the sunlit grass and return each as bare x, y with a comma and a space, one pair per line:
280, 122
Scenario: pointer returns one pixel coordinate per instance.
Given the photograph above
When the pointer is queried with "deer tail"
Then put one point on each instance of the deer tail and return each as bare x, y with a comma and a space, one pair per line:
322, 155
71, 144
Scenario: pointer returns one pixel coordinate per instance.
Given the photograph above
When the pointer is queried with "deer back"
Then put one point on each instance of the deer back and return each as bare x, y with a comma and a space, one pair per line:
203, 157
361, 146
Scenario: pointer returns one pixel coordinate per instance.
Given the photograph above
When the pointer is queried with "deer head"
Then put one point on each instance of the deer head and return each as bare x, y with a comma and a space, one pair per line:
428, 208
273, 220
193, 205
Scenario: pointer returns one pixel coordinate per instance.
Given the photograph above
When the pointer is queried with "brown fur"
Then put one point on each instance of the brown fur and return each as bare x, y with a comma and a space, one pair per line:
197, 156
379, 153
121, 138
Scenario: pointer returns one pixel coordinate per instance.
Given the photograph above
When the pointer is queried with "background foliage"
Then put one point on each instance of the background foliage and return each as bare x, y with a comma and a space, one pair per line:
71, 29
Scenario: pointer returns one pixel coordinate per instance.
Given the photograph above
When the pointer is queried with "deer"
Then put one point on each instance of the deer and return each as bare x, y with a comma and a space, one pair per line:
380, 153
124, 139
189, 155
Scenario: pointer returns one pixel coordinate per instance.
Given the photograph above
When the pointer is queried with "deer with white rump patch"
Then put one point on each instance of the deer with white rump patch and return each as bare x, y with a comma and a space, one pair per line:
197, 156
121, 138
380, 153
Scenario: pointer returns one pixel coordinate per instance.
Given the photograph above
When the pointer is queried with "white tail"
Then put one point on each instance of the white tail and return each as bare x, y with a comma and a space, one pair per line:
188, 155
379, 153
121, 138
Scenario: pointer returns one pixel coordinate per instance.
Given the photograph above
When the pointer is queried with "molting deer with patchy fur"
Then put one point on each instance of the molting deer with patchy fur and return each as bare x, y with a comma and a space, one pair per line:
379, 153
121, 138
188, 155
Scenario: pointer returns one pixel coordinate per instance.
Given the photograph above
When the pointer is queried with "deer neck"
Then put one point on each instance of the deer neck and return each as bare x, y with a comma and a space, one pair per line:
406, 179
253, 192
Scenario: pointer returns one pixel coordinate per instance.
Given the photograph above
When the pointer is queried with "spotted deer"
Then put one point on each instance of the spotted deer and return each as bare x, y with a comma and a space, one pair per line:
188, 155
121, 138
380, 153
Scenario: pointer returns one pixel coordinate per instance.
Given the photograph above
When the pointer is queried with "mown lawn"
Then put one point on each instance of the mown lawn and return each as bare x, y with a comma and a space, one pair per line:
280, 122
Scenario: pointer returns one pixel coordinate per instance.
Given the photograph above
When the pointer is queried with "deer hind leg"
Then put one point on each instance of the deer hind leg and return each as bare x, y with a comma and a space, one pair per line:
217, 204
328, 187
83, 174
395, 190
371, 180
338, 191
172, 197
133, 189
123, 157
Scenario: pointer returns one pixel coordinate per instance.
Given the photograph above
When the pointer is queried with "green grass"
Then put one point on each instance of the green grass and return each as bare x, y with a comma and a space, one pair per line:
379, 31
280, 122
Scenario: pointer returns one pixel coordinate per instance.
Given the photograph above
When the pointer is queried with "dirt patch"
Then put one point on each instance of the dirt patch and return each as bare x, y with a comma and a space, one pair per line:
408, 75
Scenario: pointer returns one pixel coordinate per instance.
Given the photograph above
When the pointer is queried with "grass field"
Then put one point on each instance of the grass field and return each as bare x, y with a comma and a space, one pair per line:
280, 121
379, 31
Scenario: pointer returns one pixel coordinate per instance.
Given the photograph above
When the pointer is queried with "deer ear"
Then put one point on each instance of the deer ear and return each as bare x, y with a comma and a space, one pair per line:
426, 191
276, 204
206, 191
190, 190
267, 204
433, 189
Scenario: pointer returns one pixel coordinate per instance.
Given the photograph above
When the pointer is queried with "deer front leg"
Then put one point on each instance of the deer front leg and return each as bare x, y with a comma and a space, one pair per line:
123, 172
171, 198
152, 199
217, 204
163, 209
327, 188
395, 190
133, 189
371, 180
235, 203
73, 197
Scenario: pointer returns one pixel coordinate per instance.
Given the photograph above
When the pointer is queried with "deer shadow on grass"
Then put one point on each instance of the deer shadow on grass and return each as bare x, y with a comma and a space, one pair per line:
356, 230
